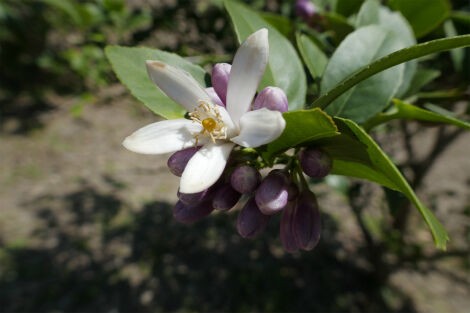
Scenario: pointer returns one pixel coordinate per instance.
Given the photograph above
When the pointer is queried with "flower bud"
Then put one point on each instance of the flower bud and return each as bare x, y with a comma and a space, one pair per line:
193, 198
220, 76
315, 162
272, 98
305, 9
273, 193
306, 223
293, 191
251, 221
178, 160
188, 214
225, 198
245, 179
214, 96
286, 232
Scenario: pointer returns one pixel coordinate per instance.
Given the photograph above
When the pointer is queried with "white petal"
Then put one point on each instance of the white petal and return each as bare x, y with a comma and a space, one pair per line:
232, 130
164, 137
177, 84
247, 69
205, 167
259, 127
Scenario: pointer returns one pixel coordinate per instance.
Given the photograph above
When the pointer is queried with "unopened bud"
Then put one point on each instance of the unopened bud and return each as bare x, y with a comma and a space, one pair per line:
272, 98
286, 232
225, 198
273, 193
245, 179
315, 162
193, 198
214, 96
220, 76
188, 214
305, 9
178, 160
251, 221
306, 223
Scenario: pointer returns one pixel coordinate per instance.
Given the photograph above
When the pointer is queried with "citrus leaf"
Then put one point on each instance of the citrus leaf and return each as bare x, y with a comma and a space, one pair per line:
356, 154
129, 66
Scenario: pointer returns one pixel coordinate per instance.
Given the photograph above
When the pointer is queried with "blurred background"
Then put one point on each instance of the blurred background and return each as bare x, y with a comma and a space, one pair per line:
86, 225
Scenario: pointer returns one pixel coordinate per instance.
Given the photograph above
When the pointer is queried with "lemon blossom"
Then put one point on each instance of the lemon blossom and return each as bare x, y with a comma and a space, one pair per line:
216, 128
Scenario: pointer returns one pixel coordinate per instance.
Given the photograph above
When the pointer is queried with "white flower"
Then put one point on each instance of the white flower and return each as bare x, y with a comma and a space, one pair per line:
214, 127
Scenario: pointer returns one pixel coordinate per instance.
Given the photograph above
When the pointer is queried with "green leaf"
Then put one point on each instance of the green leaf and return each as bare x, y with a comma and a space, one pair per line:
457, 55
284, 68
397, 24
423, 15
403, 110
301, 127
368, 13
347, 7
314, 57
359, 49
356, 154
388, 61
282, 23
338, 25
461, 17
371, 13
422, 77
129, 66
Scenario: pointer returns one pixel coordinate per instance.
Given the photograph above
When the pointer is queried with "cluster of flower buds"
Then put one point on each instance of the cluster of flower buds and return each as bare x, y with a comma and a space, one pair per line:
281, 191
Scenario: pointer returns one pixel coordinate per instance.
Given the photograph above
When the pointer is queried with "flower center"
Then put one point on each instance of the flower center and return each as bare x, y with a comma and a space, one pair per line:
208, 115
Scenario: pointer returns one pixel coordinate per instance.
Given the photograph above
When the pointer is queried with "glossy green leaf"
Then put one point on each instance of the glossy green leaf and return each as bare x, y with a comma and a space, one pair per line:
129, 66
388, 61
371, 96
423, 15
356, 154
403, 110
302, 126
284, 68
315, 59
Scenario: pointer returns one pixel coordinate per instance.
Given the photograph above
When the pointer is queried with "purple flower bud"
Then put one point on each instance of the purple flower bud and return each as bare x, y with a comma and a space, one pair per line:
188, 214
272, 98
286, 232
178, 160
225, 198
293, 191
193, 198
214, 96
305, 9
315, 162
245, 179
306, 223
251, 221
273, 193
220, 76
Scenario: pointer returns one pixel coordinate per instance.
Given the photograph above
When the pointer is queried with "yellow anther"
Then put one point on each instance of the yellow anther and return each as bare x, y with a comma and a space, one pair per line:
209, 124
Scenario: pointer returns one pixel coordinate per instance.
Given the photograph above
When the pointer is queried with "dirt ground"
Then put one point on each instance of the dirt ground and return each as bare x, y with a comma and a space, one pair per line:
86, 225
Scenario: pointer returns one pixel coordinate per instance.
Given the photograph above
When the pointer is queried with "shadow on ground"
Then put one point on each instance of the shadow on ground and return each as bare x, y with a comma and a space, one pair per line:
93, 252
